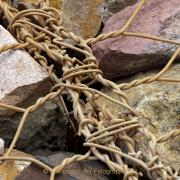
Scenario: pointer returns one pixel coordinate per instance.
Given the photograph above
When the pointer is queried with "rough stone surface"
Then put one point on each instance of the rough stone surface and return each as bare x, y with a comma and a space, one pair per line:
124, 55
1, 147
114, 6
83, 18
45, 128
22, 79
157, 105
10, 169
77, 170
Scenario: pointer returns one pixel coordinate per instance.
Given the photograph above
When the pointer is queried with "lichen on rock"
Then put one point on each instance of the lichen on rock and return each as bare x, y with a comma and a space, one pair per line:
158, 107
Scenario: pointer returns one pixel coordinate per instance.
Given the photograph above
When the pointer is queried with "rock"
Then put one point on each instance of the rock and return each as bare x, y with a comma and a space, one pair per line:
10, 169
30, 5
23, 80
45, 128
114, 6
1, 147
83, 18
77, 170
126, 55
157, 105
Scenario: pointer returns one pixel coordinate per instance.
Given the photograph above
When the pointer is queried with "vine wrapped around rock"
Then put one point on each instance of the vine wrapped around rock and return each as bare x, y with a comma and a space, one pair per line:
86, 122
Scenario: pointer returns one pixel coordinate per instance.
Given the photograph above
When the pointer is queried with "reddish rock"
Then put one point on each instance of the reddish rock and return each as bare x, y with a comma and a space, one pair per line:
88, 170
125, 55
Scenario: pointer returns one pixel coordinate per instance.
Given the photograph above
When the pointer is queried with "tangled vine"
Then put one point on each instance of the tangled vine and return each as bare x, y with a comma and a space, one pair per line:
49, 37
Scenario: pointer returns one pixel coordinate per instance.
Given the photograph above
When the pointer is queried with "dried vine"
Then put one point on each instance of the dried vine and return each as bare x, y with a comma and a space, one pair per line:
87, 122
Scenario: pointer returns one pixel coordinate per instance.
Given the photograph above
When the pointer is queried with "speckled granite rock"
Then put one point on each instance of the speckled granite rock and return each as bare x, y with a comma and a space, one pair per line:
114, 6
158, 107
125, 55
83, 170
83, 18
22, 79
10, 169
45, 128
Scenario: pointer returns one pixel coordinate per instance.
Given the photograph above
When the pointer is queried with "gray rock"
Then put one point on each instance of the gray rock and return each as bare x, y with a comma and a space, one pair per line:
1, 147
22, 79
114, 6
45, 128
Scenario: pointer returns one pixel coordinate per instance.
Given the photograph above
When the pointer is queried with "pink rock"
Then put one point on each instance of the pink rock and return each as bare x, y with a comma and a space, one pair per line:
125, 55
22, 79
82, 170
